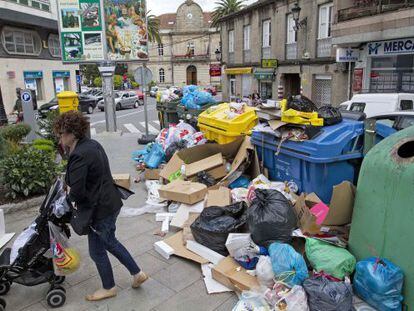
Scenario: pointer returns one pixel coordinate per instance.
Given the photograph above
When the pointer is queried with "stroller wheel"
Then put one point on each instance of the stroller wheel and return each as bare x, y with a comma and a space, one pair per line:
59, 280
56, 298
4, 288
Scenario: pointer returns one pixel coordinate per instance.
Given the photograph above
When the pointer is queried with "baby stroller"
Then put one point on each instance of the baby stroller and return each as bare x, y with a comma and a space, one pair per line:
29, 261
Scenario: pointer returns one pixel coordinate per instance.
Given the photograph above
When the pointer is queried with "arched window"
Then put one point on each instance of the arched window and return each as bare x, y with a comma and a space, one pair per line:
21, 41
54, 45
162, 75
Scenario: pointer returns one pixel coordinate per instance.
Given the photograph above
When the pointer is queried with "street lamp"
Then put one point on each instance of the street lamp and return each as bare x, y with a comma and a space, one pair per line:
296, 15
218, 55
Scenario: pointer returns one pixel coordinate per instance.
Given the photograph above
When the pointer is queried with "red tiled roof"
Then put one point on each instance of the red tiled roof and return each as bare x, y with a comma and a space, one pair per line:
168, 20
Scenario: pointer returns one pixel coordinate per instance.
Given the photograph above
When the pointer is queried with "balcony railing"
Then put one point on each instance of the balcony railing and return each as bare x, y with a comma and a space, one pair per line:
291, 50
247, 56
266, 52
231, 58
324, 47
373, 7
191, 57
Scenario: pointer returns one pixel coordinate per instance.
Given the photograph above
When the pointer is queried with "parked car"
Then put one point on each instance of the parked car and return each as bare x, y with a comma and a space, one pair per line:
123, 100
86, 104
96, 95
153, 91
140, 95
211, 89
376, 103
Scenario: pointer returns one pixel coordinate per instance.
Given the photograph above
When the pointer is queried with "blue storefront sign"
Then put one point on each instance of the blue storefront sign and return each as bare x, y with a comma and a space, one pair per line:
391, 47
61, 74
33, 74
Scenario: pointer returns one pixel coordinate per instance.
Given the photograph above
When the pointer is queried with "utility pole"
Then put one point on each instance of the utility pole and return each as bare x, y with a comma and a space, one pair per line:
107, 70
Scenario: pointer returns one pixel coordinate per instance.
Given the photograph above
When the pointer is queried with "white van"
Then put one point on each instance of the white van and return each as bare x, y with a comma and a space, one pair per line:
376, 103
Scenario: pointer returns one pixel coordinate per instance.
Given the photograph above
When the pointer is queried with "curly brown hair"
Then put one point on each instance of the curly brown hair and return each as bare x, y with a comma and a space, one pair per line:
72, 122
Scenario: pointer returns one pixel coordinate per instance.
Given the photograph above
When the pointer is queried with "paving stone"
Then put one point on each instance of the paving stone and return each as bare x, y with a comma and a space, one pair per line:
192, 298
229, 304
20, 297
36, 307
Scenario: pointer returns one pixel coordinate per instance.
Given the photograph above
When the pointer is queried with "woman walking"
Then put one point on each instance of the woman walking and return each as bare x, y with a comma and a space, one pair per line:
91, 187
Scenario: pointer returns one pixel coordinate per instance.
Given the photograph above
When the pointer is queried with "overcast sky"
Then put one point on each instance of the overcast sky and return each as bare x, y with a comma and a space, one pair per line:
158, 7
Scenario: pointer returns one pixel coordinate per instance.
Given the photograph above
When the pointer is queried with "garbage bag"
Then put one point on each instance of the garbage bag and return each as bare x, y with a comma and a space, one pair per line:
327, 295
214, 224
271, 218
288, 265
333, 260
251, 301
293, 300
379, 283
241, 182
301, 103
264, 271
206, 179
173, 148
330, 115
155, 157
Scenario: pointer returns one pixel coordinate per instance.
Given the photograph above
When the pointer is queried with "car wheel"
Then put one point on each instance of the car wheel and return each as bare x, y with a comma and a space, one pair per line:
118, 107
101, 109
136, 104
90, 109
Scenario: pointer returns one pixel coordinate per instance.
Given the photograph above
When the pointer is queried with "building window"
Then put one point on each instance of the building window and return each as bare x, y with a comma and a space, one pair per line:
35, 4
232, 86
20, 42
191, 49
34, 81
267, 37
325, 21
160, 49
45, 7
162, 75
231, 41
54, 45
291, 35
246, 36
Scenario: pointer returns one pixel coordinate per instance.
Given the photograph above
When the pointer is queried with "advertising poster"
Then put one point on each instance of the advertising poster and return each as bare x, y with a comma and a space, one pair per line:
90, 15
69, 14
72, 49
93, 45
126, 32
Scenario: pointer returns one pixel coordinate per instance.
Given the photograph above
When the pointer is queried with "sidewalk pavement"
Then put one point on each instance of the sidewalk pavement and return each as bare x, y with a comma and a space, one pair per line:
174, 284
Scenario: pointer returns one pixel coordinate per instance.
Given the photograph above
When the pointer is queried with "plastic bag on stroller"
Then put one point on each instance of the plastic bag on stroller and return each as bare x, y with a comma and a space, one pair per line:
21, 241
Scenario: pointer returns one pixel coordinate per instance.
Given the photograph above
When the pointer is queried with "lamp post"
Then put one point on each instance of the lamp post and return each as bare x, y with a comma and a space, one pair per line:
296, 16
218, 55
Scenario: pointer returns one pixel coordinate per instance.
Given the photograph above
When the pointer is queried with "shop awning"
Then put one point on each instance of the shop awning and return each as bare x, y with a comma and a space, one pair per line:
262, 74
238, 71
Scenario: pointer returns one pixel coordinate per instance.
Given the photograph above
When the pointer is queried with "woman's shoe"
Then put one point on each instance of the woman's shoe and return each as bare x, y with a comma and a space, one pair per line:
101, 294
139, 279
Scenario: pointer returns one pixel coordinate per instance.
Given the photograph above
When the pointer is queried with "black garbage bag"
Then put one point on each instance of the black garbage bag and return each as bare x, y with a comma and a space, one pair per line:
176, 146
271, 218
214, 224
301, 103
330, 115
206, 179
327, 295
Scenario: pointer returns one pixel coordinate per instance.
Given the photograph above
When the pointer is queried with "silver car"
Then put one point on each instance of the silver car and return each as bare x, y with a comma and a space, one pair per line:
123, 100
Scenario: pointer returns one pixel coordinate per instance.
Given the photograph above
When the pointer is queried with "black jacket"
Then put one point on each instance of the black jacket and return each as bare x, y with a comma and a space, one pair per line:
90, 180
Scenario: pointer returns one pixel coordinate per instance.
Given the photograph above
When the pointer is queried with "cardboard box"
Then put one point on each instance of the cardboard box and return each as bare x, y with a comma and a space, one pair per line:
204, 165
152, 174
176, 243
123, 180
340, 209
183, 191
220, 197
229, 273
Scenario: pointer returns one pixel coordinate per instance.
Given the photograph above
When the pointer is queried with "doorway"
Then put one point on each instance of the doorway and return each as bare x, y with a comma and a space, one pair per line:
292, 84
191, 75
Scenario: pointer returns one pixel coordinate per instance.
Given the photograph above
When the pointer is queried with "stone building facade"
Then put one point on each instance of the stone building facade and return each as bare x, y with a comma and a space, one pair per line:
188, 48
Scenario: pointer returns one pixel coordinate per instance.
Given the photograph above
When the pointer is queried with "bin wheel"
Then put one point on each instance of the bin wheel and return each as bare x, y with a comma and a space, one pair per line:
101, 109
136, 104
59, 280
4, 288
2, 304
56, 298
90, 109
118, 107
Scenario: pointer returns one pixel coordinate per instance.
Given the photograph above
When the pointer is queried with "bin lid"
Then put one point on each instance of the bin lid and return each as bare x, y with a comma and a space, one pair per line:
332, 141
67, 94
218, 118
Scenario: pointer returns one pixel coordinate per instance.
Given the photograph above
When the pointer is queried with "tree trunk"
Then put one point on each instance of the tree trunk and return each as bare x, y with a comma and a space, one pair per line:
3, 115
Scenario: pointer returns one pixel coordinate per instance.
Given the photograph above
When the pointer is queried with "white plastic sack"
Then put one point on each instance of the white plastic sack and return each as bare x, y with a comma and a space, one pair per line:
21, 241
251, 301
239, 194
264, 271
153, 197
294, 300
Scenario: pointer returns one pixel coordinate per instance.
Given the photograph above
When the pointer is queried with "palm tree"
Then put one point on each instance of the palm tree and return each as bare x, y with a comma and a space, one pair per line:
153, 24
226, 7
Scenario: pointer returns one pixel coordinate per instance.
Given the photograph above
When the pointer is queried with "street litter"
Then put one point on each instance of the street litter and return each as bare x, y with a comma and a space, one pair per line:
213, 287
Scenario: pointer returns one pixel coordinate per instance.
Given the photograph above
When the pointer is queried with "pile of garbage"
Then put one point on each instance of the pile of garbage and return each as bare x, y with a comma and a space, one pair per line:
193, 98
168, 95
279, 248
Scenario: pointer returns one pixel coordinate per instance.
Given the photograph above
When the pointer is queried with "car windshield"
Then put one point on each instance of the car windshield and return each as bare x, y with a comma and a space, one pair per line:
116, 95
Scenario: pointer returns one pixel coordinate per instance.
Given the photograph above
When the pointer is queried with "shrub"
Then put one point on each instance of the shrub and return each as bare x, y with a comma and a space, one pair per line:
15, 133
44, 145
4, 147
97, 82
46, 127
27, 172
134, 85
118, 82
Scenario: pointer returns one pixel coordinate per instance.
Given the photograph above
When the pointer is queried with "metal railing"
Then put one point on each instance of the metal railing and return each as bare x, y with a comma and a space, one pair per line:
324, 47
231, 58
291, 50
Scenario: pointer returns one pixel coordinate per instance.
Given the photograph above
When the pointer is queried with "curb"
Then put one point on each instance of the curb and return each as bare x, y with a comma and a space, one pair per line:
14, 207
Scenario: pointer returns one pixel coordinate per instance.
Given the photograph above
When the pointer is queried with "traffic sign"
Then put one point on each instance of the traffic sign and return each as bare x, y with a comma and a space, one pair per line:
26, 97
78, 79
143, 76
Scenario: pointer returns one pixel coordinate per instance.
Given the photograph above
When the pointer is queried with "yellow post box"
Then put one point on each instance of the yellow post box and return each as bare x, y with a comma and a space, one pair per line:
67, 101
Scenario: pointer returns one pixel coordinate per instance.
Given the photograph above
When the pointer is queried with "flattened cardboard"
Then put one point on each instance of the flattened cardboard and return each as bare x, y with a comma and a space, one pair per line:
276, 124
172, 166
220, 197
152, 174
306, 220
203, 165
123, 180
229, 273
176, 242
218, 172
183, 212
342, 205
183, 191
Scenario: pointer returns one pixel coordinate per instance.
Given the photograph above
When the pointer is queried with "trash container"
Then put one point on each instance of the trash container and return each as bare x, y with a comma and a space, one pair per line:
170, 113
191, 115
315, 165
383, 213
67, 101
217, 126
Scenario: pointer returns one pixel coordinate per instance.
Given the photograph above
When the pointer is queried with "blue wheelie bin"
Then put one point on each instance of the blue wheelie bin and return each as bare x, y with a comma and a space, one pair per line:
316, 165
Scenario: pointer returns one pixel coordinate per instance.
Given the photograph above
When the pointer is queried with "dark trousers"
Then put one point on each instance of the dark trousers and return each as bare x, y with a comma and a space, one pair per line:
102, 240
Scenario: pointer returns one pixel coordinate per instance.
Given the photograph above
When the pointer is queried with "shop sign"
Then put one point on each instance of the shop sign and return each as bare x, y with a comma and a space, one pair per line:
357, 81
269, 63
347, 55
264, 75
33, 74
61, 74
238, 71
215, 70
391, 47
